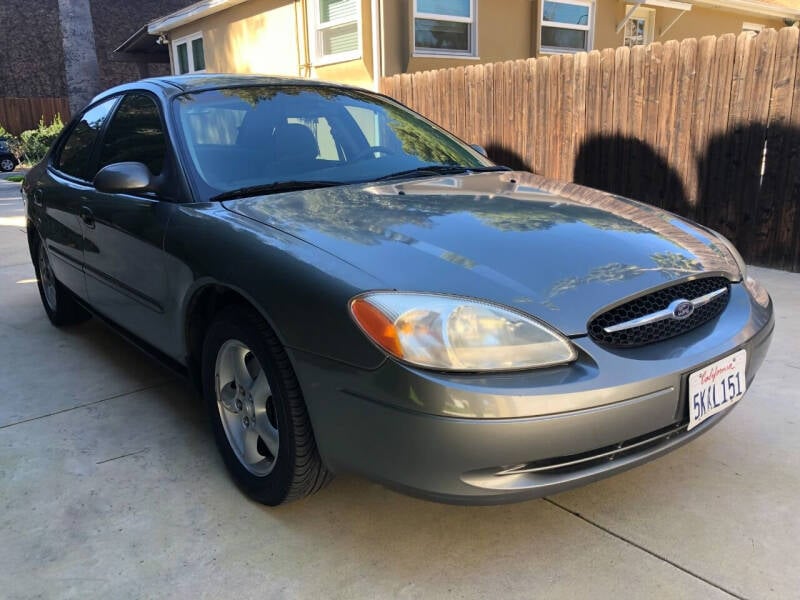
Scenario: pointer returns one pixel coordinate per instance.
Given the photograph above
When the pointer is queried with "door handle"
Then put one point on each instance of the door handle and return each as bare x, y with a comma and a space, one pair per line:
87, 217
38, 201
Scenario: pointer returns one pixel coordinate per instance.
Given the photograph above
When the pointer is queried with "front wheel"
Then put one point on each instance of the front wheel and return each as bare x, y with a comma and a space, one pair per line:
6, 164
257, 412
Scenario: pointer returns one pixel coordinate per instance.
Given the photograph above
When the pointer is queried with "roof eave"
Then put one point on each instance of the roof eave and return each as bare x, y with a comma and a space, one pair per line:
752, 7
190, 14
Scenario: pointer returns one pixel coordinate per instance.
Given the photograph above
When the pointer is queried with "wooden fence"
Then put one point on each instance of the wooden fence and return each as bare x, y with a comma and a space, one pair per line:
709, 129
19, 114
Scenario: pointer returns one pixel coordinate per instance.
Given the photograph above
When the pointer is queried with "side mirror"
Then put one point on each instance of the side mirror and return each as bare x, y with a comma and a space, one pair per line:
479, 149
124, 177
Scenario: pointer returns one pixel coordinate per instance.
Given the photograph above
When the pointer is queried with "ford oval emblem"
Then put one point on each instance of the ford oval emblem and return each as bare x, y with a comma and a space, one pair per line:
683, 310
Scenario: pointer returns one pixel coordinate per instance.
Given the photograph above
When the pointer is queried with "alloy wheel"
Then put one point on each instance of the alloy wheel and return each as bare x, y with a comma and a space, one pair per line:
246, 407
47, 279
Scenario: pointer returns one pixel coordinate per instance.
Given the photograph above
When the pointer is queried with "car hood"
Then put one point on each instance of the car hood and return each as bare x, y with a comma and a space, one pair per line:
560, 252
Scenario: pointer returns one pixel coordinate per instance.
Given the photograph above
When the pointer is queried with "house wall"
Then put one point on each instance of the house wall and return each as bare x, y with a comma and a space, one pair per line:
696, 23
268, 36
260, 36
355, 72
505, 32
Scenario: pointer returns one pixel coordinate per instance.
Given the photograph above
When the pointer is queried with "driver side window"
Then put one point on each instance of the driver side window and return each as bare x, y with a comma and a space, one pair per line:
135, 134
76, 153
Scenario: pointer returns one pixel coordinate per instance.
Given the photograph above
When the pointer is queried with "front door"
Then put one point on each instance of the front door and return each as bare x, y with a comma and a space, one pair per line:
124, 258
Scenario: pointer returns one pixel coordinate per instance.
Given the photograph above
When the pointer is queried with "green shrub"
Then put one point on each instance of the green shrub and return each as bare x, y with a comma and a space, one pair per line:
11, 140
34, 143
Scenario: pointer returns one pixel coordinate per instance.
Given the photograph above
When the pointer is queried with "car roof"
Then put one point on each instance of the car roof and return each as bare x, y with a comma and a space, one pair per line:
174, 85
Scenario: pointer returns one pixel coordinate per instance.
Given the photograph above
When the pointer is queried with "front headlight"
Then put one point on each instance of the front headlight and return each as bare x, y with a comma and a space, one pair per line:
457, 334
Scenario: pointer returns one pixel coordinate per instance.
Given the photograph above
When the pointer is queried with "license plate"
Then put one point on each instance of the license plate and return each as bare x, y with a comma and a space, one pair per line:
716, 387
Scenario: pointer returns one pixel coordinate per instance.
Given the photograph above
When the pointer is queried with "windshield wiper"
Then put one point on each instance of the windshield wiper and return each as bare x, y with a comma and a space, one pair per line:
273, 188
441, 170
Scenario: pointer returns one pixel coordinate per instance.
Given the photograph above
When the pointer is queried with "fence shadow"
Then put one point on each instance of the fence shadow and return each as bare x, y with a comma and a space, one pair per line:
747, 188
506, 157
631, 168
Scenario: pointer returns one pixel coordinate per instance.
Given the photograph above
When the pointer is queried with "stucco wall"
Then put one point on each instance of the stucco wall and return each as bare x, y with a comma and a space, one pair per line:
260, 36
267, 36
505, 32
696, 23
354, 72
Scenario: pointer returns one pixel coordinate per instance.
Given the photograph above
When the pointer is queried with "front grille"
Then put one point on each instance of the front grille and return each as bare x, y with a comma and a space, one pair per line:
660, 300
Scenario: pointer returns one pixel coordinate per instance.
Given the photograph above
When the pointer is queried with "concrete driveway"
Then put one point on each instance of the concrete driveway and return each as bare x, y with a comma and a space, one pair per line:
111, 487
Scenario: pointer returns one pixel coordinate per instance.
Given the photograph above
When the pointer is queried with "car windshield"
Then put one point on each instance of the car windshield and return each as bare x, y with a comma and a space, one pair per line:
246, 138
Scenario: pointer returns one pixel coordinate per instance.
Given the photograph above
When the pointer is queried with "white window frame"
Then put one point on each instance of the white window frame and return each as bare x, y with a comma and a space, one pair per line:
648, 15
589, 28
316, 28
187, 39
433, 52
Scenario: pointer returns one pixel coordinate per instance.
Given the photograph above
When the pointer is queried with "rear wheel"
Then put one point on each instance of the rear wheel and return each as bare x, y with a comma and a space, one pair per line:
6, 164
59, 304
257, 411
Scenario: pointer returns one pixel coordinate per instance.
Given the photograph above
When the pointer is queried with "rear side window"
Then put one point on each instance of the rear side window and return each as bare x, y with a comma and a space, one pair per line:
76, 153
135, 134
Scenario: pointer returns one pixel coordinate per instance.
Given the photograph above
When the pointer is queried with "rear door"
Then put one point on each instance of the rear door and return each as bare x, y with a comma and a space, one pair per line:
60, 194
124, 257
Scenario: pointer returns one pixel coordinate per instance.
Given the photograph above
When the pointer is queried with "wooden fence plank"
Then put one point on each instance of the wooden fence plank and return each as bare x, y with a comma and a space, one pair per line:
680, 140
713, 154
634, 129
553, 140
578, 124
19, 114
564, 120
761, 206
703, 102
527, 98
542, 102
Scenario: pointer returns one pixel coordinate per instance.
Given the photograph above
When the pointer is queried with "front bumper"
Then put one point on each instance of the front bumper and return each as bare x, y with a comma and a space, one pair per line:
448, 436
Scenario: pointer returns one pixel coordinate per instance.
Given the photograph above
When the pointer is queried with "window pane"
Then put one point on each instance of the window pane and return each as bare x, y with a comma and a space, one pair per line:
635, 32
75, 155
453, 8
337, 10
558, 12
198, 54
214, 127
339, 39
571, 39
183, 59
135, 134
442, 35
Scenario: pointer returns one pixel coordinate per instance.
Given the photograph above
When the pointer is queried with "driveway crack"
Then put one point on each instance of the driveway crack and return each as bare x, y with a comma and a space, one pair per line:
645, 550
122, 456
84, 405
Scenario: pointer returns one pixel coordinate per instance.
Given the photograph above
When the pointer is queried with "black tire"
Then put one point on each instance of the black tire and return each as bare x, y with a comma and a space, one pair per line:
61, 307
7, 165
297, 469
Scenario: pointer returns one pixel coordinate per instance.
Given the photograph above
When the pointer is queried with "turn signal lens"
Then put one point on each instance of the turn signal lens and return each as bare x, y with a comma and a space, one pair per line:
375, 324
458, 334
